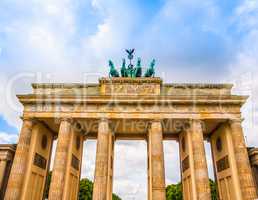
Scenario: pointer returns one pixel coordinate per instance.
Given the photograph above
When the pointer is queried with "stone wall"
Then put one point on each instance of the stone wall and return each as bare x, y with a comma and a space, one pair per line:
7, 152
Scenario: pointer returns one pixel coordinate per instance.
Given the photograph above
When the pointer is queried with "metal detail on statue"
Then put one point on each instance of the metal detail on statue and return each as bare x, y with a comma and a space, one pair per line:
130, 70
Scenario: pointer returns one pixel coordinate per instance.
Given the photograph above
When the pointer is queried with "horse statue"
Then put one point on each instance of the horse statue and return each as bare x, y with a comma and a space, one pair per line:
138, 69
112, 72
124, 72
151, 70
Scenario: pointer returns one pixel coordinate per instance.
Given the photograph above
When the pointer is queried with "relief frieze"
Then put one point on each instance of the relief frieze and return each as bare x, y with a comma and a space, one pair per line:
128, 89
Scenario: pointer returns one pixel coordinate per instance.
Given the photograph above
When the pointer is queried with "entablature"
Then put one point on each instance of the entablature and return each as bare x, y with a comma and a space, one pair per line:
131, 86
123, 99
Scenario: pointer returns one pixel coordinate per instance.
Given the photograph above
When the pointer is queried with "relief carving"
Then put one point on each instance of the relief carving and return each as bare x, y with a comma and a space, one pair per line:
222, 164
127, 89
40, 161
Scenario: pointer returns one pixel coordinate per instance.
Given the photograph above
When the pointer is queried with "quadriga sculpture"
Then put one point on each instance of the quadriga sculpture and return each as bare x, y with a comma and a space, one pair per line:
130, 70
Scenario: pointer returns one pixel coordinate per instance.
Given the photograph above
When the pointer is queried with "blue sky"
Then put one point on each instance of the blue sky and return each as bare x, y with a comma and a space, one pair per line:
4, 126
71, 41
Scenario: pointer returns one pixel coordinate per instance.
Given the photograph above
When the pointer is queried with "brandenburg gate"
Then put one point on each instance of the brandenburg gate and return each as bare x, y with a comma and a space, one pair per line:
131, 108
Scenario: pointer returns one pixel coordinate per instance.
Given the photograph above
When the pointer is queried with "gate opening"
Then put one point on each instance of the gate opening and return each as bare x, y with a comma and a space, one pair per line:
130, 169
88, 159
172, 162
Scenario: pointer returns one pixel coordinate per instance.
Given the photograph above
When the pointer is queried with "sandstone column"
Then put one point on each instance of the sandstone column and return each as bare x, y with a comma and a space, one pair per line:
157, 188
110, 167
100, 189
247, 183
187, 165
224, 163
60, 164
19, 167
199, 161
3, 164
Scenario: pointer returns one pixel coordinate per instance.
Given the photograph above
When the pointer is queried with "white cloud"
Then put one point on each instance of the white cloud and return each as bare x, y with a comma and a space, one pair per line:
89, 157
247, 13
130, 169
172, 162
36, 43
6, 138
244, 68
44, 40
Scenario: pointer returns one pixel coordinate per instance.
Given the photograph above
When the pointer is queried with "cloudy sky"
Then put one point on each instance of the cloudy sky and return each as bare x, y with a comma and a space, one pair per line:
71, 41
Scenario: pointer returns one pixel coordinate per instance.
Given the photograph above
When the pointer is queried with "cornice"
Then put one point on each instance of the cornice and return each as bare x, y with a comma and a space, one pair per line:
253, 151
130, 80
102, 99
199, 85
8, 147
62, 85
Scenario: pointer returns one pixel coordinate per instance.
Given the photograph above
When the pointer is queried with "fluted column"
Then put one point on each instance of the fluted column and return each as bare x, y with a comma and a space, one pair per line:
110, 167
3, 164
246, 179
157, 188
19, 167
199, 161
61, 157
100, 188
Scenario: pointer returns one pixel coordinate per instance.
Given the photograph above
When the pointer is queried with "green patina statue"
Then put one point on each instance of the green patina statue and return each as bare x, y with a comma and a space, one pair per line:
151, 70
124, 72
112, 72
138, 69
130, 70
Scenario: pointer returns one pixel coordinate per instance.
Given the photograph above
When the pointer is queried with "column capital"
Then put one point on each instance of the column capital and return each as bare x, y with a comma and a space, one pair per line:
193, 122
66, 119
235, 120
79, 127
152, 121
156, 120
29, 119
103, 119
